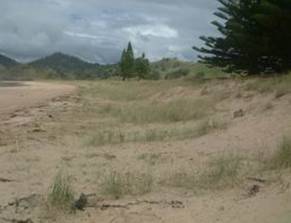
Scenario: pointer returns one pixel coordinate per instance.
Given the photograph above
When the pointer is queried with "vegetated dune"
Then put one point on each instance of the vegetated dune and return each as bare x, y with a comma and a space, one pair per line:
165, 151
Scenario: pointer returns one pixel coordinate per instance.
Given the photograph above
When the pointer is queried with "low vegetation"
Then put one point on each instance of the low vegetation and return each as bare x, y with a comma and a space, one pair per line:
219, 173
61, 195
117, 184
281, 158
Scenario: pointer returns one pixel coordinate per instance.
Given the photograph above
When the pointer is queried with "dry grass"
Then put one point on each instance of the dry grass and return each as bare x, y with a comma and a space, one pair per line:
153, 134
279, 85
220, 173
144, 112
281, 158
117, 184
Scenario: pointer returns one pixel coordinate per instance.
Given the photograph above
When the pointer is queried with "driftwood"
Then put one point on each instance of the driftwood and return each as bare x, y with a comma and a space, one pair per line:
83, 202
257, 179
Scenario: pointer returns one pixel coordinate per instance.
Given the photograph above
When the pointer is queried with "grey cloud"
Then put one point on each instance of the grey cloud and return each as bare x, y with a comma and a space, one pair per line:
97, 30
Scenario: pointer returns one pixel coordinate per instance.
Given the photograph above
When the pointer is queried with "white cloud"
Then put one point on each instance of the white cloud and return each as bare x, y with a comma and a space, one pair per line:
80, 35
156, 30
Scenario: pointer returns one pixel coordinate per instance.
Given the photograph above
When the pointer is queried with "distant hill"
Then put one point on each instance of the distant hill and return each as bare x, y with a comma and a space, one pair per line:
7, 62
63, 66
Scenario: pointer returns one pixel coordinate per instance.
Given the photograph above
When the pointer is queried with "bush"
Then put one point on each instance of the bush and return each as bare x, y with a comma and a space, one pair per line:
177, 73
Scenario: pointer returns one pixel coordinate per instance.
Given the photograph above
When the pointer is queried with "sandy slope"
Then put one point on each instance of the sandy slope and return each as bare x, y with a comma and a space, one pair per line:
27, 94
51, 140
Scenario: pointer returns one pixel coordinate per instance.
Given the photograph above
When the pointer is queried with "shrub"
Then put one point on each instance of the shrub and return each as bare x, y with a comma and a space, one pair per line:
177, 73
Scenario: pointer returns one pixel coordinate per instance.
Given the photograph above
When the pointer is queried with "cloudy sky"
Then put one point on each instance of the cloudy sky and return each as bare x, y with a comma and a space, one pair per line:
98, 30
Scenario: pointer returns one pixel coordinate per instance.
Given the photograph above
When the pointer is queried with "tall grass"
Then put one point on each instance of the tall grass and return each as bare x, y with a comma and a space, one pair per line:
281, 158
280, 85
148, 134
117, 184
61, 195
161, 112
222, 172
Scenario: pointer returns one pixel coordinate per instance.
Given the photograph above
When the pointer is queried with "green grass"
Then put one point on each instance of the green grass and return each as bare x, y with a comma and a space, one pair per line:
61, 195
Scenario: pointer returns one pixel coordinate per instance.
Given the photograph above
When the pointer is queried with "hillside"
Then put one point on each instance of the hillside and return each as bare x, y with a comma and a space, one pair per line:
7, 62
66, 65
55, 66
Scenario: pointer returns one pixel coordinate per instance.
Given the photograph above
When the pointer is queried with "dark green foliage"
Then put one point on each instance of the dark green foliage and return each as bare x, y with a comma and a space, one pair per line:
177, 73
131, 67
67, 67
255, 36
142, 67
127, 63
7, 62
56, 66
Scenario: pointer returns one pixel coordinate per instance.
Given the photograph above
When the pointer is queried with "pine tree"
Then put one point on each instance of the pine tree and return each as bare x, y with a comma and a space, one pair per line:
123, 64
130, 60
235, 49
127, 63
274, 16
255, 36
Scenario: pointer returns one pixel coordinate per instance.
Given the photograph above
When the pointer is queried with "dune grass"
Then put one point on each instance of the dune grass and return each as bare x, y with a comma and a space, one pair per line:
61, 195
219, 173
174, 132
117, 184
281, 158
280, 85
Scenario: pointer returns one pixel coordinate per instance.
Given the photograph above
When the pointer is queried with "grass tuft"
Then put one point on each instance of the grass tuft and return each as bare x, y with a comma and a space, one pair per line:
61, 194
281, 159
116, 184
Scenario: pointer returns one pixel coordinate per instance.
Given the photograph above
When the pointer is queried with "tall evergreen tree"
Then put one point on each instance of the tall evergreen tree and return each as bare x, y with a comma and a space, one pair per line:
255, 36
127, 62
130, 60
123, 64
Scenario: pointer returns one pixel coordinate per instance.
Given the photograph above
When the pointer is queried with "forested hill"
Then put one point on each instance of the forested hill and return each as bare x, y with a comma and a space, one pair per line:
7, 62
63, 63
55, 66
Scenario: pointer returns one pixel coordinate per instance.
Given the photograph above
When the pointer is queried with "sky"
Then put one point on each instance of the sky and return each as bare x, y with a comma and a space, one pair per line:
98, 30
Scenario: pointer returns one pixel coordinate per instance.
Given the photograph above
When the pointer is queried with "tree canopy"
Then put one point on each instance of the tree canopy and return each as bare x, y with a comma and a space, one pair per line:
131, 67
255, 37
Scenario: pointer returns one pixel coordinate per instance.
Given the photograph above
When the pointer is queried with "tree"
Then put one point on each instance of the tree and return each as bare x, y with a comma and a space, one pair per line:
123, 64
142, 67
127, 62
255, 36
130, 60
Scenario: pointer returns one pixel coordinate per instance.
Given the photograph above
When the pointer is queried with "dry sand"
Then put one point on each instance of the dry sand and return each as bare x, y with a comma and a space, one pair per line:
35, 146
